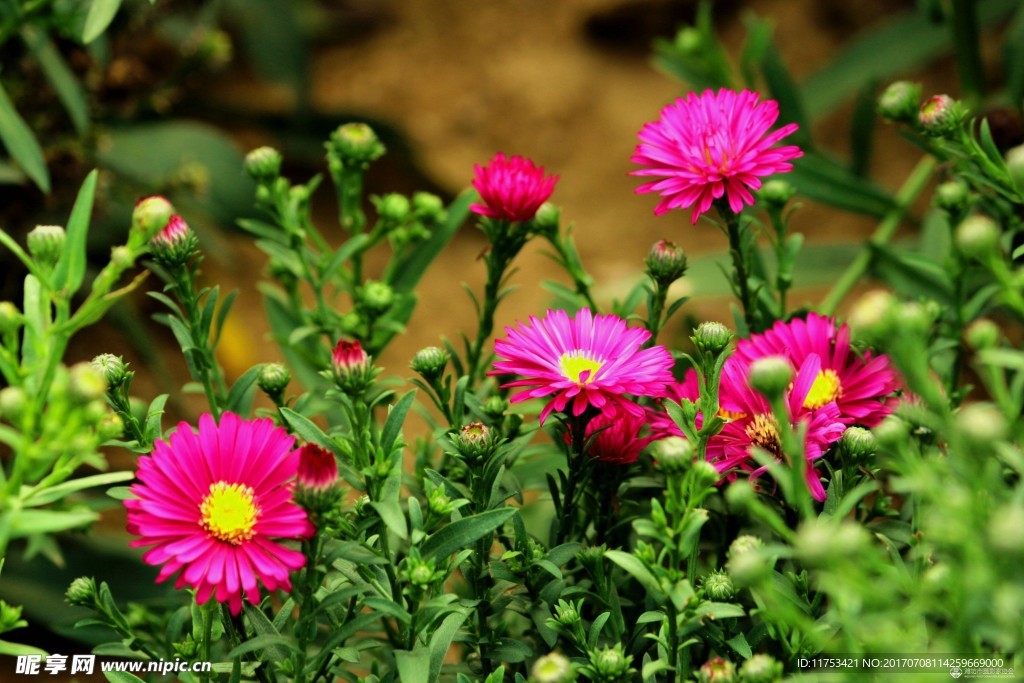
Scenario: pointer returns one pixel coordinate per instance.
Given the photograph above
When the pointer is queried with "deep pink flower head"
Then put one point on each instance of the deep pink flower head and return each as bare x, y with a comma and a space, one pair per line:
511, 189
615, 439
172, 234
586, 361
211, 503
349, 356
752, 423
860, 386
317, 468
712, 145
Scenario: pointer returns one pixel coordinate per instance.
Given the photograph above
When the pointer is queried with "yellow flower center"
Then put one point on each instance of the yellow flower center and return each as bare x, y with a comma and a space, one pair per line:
763, 432
579, 368
826, 388
229, 512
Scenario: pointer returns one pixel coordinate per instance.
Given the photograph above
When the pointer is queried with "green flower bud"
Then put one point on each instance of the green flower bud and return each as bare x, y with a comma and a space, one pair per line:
610, 663
122, 258
263, 164
421, 573
439, 503
899, 102
552, 668
776, 192
871, 316
915, 318
952, 196
689, 41
940, 115
393, 207
674, 453
82, 592
982, 423
113, 368
718, 586
977, 236
12, 403
712, 338
110, 427
149, 217
822, 543
705, 473
376, 297
743, 545
475, 441
666, 262
770, 376
187, 649
355, 145
858, 444
495, 407
428, 206
86, 383
430, 362
717, 670
10, 617
273, 379
1015, 164
567, 613
760, 669
892, 433
983, 334
45, 243
11, 319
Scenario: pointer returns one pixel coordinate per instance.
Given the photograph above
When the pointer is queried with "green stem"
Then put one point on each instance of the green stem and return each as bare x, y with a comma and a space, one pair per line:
496, 265
914, 185
739, 262
964, 23
656, 307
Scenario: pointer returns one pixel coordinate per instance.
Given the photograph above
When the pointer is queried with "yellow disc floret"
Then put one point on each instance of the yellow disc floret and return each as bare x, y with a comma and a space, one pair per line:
229, 512
826, 388
580, 368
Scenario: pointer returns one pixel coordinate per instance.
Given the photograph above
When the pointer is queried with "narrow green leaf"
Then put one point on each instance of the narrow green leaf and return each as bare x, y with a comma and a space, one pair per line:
70, 268
29, 522
463, 532
413, 667
408, 271
823, 179
442, 640
740, 645
262, 626
240, 397
389, 507
635, 568
62, 490
785, 91
307, 430
393, 425
22, 144
60, 76
101, 13
267, 641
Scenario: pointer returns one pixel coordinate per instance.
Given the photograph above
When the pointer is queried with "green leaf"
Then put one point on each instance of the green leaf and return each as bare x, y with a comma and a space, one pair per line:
267, 641
740, 646
393, 425
307, 430
60, 76
719, 610
101, 13
29, 522
785, 91
122, 677
912, 274
70, 269
635, 568
463, 532
823, 179
442, 640
22, 144
239, 399
262, 626
413, 667
1013, 58
389, 506
62, 490
14, 649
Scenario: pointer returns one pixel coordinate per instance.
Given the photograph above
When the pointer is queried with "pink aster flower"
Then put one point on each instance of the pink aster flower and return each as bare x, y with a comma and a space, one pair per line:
583, 361
752, 423
211, 503
712, 145
511, 189
860, 386
615, 439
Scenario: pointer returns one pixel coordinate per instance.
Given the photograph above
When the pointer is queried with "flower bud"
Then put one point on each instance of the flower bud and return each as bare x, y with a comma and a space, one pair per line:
744, 544
776, 192
712, 338
1015, 164
317, 469
610, 663
689, 41
475, 441
977, 236
113, 368
952, 196
673, 453
770, 376
273, 379
983, 334
871, 315
82, 592
567, 613
376, 297
982, 423
353, 368
718, 586
428, 206
10, 617
355, 145
421, 574
111, 426
11, 319
45, 243
552, 668
439, 503
821, 543
430, 362
86, 383
547, 218
705, 473
899, 102
149, 217
263, 164
858, 444
495, 407
760, 669
717, 670
940, 115
175, 244
892, 433
122, 258
666, 262
393, 207
12, 403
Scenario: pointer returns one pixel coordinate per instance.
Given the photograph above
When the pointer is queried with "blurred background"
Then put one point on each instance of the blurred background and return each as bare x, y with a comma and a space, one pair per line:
167, 96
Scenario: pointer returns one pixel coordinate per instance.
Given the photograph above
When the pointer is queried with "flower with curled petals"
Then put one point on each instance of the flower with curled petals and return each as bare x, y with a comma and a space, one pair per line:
210, 505
511, 189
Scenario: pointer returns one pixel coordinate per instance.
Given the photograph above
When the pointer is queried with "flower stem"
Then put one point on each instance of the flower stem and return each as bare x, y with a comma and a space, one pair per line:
739, 262
964, 23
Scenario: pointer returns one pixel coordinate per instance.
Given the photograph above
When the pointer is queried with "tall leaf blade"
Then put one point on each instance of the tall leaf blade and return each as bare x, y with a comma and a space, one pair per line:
60, 76
71, 267
101, 13
22, 144
463, 532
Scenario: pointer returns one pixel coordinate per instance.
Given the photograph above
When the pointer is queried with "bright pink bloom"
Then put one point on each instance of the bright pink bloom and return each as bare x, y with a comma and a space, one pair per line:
210, 503
317, 468
752, 423
712, 145
349, 356
860, 386
511, 189
586, 361
173, 234
615, 439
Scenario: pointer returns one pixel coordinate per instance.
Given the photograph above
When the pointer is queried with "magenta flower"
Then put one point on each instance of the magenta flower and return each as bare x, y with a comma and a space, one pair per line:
210, 503
860, 386
752, 423
317, 469
615, 439
586, 361
349, 356
712, 145
511, 189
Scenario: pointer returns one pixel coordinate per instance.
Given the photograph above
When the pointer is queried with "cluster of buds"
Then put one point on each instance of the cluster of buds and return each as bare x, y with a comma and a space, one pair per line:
352, 369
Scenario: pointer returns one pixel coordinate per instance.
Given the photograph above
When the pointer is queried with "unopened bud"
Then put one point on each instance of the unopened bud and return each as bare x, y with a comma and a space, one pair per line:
940, 115
11, 319
430, 362
86, 383
113, 368
892, 433
718, 586
111, 426
552, 668
776, 192
1006, 529
175, 244
376, 297
475, 441
82, 592
761, 669
45, 243
428, 206
673, 453
273, 379
355, 145
977, 236
689, 41
712, 337
952, 196
1015, 164
821, 543
12, 403
393, 207
547, 218
149, 217
770, 376
666, 262
263, 164
122, 258
982, 423
717, 670
871, 315
899, 102
610, 663
858, 444
353, 368
983, 334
